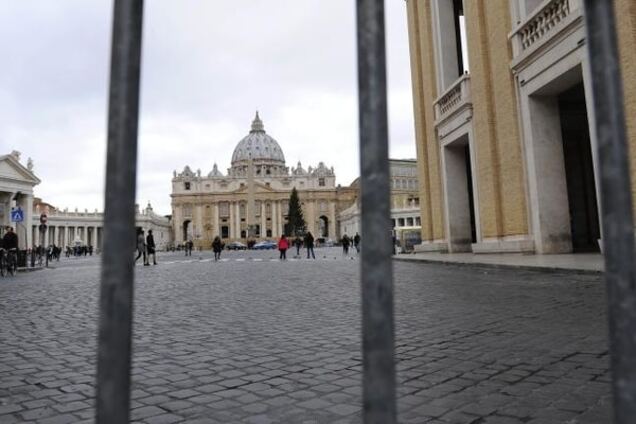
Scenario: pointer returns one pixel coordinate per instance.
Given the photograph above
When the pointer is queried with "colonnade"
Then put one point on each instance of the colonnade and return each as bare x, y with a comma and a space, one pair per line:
65, 235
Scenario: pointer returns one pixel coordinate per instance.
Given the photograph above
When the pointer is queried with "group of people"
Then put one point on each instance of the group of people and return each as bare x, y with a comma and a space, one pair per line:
307, 241
78, 251
348, 241
146, 247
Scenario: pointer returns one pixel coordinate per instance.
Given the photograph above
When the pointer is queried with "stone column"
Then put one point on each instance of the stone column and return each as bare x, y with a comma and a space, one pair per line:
281, 219
232, 224
46, 237
28, 220
238, 220
274, 220
216, 230
263, 221
198, 230
332, 220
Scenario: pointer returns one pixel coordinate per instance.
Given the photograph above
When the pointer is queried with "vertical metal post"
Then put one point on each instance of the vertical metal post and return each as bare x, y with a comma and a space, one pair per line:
376, 267
618, 226
117, 275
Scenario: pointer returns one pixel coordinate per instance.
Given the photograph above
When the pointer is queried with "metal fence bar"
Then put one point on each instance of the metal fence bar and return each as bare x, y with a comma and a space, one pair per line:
376, 267
116, 299
618, 226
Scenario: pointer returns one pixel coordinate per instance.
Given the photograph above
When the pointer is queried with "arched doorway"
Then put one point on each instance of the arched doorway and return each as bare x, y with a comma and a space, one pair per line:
323, 226
186, 229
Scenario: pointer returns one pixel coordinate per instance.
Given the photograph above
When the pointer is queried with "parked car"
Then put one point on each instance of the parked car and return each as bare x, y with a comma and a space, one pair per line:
236, 245
265, 245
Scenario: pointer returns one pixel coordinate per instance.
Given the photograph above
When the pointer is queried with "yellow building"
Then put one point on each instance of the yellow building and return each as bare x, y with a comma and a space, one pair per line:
504, 123
252, 199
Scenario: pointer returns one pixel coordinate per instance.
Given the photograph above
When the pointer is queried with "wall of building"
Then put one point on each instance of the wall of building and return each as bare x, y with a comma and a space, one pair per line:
626, 19
502, 197
423, 74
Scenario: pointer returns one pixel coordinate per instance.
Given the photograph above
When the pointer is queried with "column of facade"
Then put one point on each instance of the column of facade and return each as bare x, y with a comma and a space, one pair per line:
274, 220
28, 219
238, 219
310, 216
332, 220
46, 237
216, 229
198, 230
233, 220
263, 221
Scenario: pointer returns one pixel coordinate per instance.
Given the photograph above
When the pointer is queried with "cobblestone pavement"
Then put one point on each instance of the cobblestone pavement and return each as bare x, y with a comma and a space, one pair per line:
261, 341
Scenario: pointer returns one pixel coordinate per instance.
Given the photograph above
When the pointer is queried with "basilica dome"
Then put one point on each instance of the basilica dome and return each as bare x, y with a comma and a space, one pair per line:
259, 146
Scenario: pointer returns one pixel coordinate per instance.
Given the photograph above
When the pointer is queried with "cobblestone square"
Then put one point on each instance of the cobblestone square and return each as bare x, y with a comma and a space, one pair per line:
251, 339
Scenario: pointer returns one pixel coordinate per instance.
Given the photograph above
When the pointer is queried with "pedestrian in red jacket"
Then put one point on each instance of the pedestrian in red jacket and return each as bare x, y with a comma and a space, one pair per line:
283, 245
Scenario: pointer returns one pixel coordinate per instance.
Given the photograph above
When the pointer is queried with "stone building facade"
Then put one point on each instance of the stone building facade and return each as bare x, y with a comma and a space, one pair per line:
72, 228
405, 200
251, 200
505, 125
17, 182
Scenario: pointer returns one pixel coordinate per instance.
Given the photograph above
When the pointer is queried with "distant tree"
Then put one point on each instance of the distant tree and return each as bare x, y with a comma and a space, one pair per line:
295, 220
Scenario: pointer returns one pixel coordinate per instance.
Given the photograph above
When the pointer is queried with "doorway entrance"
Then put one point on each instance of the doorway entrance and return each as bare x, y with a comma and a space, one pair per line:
323, 223
186, 230
460, 199
579, 170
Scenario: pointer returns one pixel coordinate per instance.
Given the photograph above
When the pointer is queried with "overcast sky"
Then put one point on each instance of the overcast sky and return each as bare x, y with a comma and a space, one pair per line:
207, 66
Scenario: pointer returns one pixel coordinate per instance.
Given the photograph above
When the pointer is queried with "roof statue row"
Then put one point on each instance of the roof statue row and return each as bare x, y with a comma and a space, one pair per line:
266, 155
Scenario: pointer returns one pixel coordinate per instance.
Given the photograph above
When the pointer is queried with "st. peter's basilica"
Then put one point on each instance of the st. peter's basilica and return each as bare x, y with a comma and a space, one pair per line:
252, 199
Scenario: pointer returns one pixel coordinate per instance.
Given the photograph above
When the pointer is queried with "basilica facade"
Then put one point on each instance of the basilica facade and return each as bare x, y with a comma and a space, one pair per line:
252, 199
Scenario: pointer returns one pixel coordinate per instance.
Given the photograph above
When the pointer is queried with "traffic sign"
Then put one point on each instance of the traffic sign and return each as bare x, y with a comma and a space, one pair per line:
17, 215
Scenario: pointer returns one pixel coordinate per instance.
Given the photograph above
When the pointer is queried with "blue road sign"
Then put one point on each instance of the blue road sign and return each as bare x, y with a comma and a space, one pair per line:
17, 215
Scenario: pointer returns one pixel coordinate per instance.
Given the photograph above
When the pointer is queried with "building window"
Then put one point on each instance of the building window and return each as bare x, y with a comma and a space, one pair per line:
393, 223
186, 185
409, 222
418, 221
269, 233
224, 209
225, 231
401, 222
187, 211
321, 182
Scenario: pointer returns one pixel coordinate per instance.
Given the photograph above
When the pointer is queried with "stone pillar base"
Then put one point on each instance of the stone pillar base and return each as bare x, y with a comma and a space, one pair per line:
431, 246
516, 245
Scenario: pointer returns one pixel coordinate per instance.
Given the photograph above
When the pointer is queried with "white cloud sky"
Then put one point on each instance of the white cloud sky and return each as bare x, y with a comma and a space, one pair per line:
207, 66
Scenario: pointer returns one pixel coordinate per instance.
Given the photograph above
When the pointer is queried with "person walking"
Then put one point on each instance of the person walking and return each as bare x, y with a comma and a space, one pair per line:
298, 243
217, 247
151, 247
309, 244
141, 247
345, 244
356, 242
283, 245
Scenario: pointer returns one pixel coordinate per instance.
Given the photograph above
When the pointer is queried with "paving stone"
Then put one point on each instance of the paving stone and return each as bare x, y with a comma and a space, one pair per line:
280, 342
